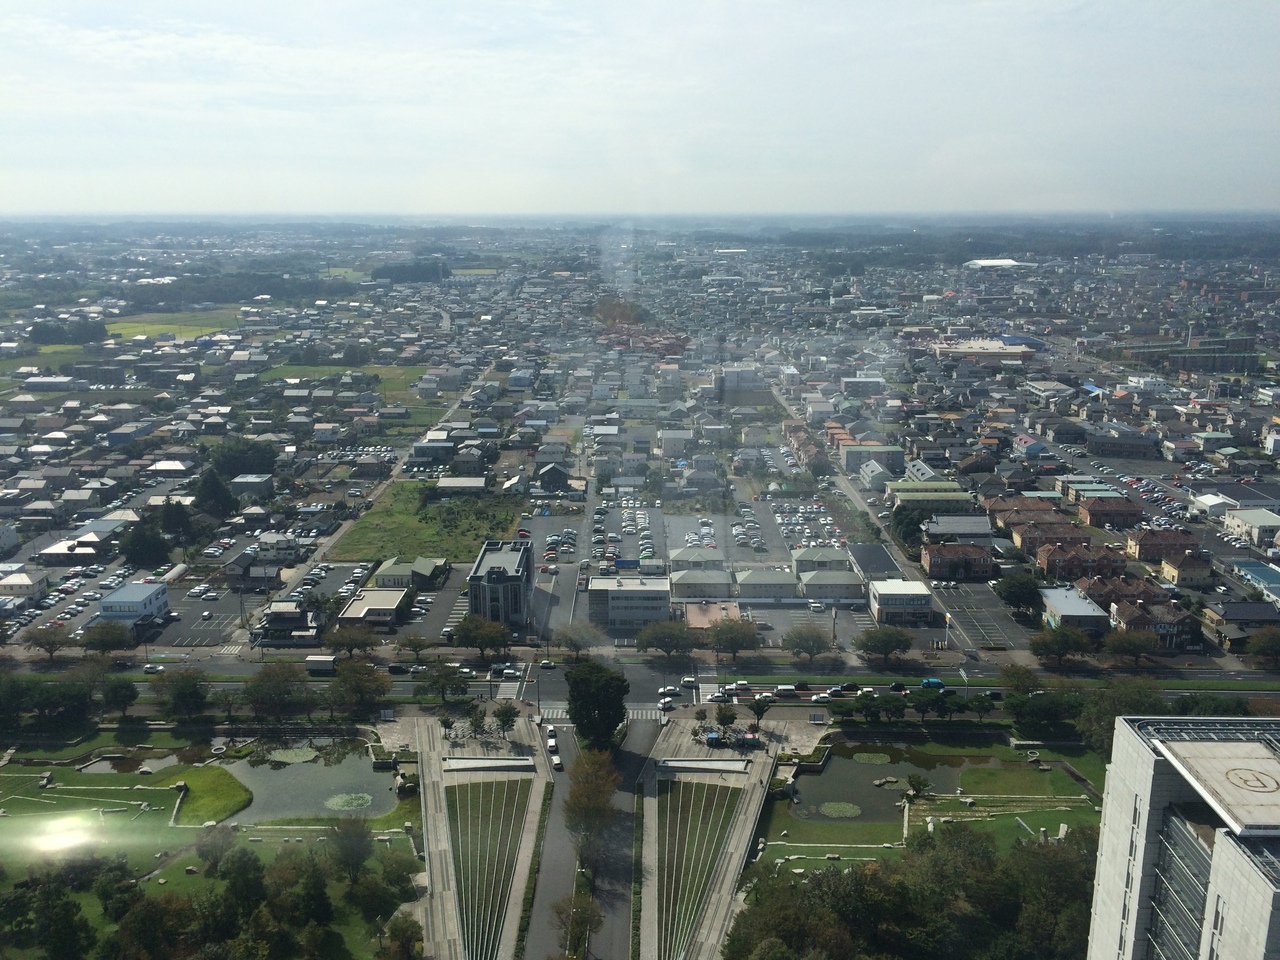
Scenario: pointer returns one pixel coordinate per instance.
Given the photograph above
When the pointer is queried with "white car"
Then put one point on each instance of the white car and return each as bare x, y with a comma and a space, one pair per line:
153, 668
666, 703
668, 691
688, 681
552, 746
821, 698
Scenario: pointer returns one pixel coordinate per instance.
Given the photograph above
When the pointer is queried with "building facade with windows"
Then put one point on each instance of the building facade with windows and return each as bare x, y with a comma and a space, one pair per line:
500, 584
628, 603
1189, 849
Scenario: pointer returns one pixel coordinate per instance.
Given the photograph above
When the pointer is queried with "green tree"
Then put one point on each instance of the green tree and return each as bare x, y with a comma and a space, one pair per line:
351, 844
50, 640
759, 706
577, 637
276, 690
1130, 643
108, 636
925, 702
175, 520
597, 702
733, 636
806, 641
441, 680
242, 870
505, 715
1018, 678
350, 639
671, 637
481, 633
214, 844
59, 928
145, 546
981, 706
576, 917
1117, 697
589, 809
1059, 643
1265, 646
726, 716
119, 693
212, 496
404, 933
358, 686
883, 642
183, 692
415, 644
1019, 590
313, 894
236, 455
867, 704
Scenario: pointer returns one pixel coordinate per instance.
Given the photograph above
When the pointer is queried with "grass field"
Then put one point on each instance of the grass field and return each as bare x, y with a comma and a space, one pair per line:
454, 530
195, 323
1024, 781
693, 819
775, 818
485, 821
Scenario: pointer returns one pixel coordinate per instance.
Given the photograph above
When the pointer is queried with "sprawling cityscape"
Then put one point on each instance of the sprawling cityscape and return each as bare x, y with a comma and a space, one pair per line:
663, 481
656, 590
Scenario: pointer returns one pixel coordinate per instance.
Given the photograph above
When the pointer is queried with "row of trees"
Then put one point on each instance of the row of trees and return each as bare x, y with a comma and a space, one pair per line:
276, 691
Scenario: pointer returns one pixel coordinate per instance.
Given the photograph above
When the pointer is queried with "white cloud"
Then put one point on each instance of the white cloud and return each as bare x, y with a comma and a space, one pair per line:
663, 107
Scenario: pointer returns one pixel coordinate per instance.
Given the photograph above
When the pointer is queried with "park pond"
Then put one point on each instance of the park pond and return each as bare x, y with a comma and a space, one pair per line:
311, 778
846, 789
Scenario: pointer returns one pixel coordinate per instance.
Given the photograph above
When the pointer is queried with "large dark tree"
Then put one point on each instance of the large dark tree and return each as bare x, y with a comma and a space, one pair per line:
669, 636
184, 692
212, 496
483, 634
883, 642
276, 690
1060, 643
236, 455
145, 545
1019, 590
596, 702
733, 637
351, 844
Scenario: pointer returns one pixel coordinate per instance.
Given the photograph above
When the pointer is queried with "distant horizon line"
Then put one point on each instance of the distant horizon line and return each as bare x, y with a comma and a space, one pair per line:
475, 219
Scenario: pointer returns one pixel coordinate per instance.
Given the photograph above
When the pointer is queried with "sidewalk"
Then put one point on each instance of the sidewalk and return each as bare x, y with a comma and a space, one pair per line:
438, 907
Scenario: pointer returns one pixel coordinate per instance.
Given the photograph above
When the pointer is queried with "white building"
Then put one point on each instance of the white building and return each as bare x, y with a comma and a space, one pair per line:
628, 603
1189, 851
1259, 527
900, 601
29, 587
135, 602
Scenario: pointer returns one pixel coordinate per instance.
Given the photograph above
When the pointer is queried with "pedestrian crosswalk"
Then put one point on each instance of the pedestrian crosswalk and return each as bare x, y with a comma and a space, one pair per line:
461, 607
561, 712
230, 649
508, 691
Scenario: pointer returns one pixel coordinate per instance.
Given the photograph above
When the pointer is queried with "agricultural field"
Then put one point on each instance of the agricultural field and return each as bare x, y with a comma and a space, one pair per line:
485, 820
398, 525
693, 820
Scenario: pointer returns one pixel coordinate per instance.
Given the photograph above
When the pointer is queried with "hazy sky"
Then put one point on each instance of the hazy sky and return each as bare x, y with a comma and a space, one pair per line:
633, 107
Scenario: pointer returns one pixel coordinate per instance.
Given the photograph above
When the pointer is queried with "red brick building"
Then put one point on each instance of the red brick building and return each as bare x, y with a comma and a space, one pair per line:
956, 561
1071, 562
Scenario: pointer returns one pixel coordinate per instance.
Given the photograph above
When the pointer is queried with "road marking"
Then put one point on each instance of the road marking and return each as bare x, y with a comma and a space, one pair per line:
230, 649
508, 690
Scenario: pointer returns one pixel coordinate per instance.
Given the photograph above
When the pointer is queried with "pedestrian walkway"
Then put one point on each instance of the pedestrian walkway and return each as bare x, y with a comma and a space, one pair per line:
230, 650
560, 711
439, 913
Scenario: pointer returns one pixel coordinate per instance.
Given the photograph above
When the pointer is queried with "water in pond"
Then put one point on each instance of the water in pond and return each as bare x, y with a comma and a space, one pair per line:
851, 772
312, 779
131, 764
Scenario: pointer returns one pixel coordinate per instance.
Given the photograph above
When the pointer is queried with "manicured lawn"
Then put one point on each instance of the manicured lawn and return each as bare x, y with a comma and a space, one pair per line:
213, 793
455, 530
485, 820
1024, 781
775, 818
693, 819
408, 809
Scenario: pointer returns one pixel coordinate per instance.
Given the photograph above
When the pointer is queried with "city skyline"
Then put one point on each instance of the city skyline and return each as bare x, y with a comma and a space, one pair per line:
659, 110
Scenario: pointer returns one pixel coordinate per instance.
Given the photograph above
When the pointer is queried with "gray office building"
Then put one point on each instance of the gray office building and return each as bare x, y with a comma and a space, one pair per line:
500, 584
1189, 851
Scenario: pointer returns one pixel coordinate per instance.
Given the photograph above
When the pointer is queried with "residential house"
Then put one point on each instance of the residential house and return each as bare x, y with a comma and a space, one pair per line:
956, 561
